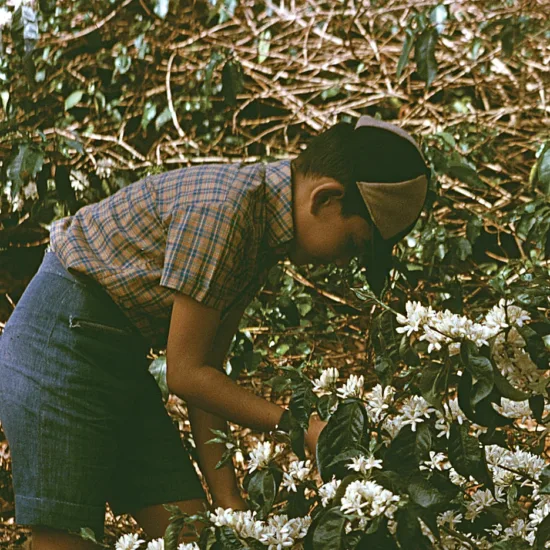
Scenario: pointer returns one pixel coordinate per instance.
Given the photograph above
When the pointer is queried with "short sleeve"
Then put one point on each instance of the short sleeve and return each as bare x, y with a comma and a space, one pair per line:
204, 248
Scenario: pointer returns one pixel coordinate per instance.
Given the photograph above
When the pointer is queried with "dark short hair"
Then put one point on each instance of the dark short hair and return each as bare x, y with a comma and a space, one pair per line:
366, 154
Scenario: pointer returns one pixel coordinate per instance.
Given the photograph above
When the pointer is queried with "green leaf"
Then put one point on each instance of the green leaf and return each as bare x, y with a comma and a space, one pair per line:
426, 495
466, 174
228, 539
405, 52
542, 171
535, 347
172, 533
545, 481
161, 8
473, 229
232, 81
424, 54
158, 369
73, 99
25, 166
515, 543
403, 452
432, 384
480, 368
467, 456
87, 534
149, 113
301, 404
506, 389
543, 533
409, 532
328, 530
262, 490
536, 403
344, 431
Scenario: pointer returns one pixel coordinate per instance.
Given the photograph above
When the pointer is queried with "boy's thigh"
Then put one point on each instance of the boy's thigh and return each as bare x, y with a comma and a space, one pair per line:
64, 387
153, 466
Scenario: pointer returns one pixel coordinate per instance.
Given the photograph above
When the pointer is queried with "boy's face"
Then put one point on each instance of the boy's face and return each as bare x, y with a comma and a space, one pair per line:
322, 235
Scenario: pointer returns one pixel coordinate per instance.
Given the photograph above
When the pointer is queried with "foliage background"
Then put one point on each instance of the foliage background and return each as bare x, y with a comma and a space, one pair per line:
96, 95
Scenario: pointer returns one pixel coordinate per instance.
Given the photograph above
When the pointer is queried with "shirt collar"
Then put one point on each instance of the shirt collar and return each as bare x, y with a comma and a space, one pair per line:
278, 186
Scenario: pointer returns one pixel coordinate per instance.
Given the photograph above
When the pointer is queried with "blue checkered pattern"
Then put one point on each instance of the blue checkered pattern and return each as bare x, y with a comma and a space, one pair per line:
209, 232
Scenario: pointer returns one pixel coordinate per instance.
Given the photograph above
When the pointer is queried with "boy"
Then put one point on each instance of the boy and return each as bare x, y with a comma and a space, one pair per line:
174, 260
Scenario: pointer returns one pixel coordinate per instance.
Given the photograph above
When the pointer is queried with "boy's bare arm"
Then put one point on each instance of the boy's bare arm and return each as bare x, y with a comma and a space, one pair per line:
221, 482
190, 374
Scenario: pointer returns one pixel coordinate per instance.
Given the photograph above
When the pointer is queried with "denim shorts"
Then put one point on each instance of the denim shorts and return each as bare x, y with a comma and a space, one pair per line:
83, 416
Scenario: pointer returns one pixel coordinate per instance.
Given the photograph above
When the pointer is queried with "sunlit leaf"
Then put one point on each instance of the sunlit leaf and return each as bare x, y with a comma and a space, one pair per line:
424, 55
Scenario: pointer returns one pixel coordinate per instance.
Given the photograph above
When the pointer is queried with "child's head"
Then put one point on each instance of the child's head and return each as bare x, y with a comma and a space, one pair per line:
357, 190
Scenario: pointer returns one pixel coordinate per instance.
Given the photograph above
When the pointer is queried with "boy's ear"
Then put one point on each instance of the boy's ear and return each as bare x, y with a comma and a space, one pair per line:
326, 194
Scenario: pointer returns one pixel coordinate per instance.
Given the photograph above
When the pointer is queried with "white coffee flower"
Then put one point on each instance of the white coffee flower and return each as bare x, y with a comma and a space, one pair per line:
262, 455
417, 317
364, 464
450, 518
328, 491
157, 544
5, 17
415, 410
480, 500
378, 401
451, 412
514, 409
128, 542
326, 383
437, 461
188, 546
298, 471
352, 388
368, 499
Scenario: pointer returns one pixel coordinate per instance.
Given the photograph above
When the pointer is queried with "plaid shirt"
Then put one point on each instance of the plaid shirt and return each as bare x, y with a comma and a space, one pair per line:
208, 231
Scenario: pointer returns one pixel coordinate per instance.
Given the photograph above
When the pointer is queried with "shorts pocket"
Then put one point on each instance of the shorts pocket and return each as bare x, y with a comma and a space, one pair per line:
79, 323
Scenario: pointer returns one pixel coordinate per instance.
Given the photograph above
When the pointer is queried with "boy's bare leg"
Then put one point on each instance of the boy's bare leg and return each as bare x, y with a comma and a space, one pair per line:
155, 519
45, 538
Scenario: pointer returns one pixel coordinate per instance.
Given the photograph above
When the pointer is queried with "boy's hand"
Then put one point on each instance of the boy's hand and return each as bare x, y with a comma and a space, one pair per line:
315, 428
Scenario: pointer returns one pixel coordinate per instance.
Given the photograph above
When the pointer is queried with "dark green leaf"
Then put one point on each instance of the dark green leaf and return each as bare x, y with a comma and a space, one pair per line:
172, 533
515, 543
301, 404
262, 490
507, 390
325, 404
405, 52
344, 431
542, 180
329, 530
228, 539
432, 384
25, 166
535, 347
409, 532
545, 481
466, 174
537, 406
467, 456
426, 495
232, 81
424, 55
543, 533
473, 229
401, 455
